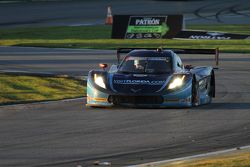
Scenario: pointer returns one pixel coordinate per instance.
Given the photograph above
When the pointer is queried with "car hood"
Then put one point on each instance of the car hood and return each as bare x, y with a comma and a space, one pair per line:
139, 83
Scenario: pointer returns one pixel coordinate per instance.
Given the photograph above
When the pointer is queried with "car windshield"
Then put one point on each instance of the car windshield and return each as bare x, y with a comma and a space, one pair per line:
149, 65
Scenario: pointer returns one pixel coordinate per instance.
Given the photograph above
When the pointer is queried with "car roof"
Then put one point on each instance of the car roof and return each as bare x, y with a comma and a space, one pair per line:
151, 53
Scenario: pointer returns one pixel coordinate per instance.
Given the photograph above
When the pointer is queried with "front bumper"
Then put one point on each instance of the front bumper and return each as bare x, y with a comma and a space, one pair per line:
180, 98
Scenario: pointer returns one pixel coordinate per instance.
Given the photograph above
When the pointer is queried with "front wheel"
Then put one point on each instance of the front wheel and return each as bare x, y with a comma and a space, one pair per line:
194, 93
212, 85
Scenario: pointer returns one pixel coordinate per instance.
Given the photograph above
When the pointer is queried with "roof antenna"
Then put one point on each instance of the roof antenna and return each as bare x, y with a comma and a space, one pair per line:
159, 49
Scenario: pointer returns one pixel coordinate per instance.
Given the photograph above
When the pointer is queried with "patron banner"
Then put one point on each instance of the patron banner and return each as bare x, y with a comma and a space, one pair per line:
146, 26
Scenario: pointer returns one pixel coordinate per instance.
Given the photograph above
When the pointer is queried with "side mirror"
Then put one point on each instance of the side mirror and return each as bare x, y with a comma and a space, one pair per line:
103, 66
188, 66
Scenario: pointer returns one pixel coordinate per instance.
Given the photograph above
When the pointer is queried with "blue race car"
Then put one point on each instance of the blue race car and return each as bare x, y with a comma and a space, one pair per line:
151, 78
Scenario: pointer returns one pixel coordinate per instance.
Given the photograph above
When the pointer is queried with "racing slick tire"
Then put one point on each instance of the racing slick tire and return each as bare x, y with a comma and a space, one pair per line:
194, 96
212, 85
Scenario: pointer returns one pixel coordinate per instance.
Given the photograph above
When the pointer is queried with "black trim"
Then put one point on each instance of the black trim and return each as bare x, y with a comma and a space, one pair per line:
175, 50
119, 99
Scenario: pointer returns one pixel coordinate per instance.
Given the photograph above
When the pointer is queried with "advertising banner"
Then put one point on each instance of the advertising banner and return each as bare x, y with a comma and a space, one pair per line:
146, 27
162, 26
210, 35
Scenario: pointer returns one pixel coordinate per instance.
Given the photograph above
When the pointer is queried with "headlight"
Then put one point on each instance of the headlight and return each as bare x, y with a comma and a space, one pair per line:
176, 82
99, 81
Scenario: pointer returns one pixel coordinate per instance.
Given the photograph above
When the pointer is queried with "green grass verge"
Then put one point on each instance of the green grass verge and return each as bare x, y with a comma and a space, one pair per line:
19, 89
56, 33
98, 37
234, 160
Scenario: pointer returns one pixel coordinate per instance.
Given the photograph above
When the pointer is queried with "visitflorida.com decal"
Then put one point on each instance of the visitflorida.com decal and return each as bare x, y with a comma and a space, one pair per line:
138, 82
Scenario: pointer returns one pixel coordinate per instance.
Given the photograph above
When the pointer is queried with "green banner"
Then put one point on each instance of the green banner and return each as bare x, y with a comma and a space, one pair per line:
162, 29
140, 27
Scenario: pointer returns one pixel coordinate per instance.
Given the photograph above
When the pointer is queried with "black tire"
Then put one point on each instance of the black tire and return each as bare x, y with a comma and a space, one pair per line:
212, 85
194, 92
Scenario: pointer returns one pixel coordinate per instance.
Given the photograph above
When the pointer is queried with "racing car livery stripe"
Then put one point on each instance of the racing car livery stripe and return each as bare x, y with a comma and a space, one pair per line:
98, 105
165, 84
98, 99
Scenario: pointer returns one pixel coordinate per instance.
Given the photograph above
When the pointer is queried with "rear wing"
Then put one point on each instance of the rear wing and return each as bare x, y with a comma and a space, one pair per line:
215, 52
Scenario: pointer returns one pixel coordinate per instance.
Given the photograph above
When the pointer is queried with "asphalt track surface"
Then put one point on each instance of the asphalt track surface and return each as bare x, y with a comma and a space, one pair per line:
66, 133
76, 62
75, 13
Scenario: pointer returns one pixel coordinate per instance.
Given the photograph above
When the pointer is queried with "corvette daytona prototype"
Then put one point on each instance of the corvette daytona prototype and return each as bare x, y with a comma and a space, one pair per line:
151, 78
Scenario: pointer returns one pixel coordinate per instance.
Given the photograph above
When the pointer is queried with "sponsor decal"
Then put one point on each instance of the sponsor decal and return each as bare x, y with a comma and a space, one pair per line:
148, 58
210, 35
147, 21
135, 90
215, 33
140, 75
138, 82
146, 27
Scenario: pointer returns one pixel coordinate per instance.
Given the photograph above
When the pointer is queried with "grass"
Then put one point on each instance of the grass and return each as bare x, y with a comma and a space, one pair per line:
98, 37
19, 89
56, 33
230, 160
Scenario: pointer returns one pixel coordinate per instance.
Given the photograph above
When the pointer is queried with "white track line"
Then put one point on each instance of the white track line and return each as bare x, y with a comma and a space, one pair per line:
152, 164
43, 102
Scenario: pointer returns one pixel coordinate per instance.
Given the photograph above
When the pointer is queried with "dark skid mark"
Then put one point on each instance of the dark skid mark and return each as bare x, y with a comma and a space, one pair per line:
218, 14
234, 11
